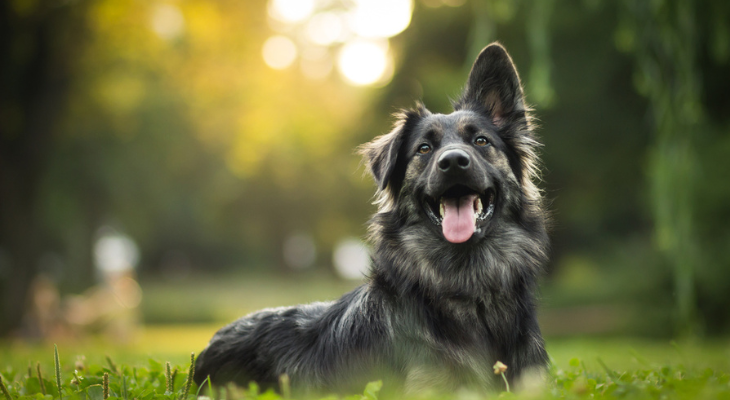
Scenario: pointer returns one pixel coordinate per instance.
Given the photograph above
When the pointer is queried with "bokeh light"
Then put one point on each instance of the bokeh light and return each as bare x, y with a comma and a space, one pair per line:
291, 10
381, 18
351, 258
115, 252
364, 62
354, 33
279, 52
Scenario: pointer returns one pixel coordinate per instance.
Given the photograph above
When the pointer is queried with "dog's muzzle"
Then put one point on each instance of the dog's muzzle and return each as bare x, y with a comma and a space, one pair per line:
465, 201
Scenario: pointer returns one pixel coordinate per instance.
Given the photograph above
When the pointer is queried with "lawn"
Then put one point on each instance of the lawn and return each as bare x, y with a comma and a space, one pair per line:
174, 343
583, 367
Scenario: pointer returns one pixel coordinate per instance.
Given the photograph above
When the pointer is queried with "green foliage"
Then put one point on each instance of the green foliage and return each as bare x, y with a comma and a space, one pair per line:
576, 381
94, 382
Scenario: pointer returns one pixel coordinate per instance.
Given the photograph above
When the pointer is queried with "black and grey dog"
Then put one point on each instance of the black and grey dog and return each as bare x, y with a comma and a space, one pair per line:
458, 242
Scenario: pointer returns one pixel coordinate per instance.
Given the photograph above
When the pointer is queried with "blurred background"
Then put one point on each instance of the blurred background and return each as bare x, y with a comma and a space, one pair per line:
175, 164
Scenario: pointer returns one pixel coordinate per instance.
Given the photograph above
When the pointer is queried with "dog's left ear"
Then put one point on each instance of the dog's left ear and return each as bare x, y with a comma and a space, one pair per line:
383, 154
494, 85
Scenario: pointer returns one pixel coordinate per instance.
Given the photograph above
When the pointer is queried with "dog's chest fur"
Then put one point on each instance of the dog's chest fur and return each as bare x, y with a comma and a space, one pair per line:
445, 341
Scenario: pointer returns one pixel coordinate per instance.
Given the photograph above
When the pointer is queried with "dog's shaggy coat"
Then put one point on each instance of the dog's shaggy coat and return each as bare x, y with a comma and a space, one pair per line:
450, 291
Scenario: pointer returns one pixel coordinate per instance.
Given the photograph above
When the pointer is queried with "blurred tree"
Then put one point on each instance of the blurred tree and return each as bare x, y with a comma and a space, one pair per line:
664, 39
38, 43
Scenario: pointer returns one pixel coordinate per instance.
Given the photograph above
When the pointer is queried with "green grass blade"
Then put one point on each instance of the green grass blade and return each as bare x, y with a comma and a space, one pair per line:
112, 366
610, 373
4, 389
169, 385
173, 376
105, 386
202, 384
57, 364
189, 380
40, 378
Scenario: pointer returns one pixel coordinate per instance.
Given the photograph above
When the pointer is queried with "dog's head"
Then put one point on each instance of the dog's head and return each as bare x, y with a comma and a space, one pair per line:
457, 173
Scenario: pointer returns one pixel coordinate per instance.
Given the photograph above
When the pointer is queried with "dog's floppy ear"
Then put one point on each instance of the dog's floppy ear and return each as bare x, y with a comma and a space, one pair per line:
383, 154
493, 85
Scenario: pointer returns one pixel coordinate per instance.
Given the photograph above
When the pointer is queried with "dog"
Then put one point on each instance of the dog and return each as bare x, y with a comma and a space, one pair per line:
459, 240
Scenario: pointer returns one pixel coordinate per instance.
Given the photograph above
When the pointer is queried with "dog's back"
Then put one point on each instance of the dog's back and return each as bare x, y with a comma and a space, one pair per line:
320, 345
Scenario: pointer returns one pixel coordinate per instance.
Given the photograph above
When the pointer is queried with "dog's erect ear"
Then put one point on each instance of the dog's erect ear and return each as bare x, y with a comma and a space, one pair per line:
494, 85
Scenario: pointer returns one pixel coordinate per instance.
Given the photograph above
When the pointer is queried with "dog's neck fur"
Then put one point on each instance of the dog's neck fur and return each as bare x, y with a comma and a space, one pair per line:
511, 259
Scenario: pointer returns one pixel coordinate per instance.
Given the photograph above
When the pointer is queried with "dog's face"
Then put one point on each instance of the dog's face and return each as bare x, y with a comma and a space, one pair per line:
457, 174
456, 164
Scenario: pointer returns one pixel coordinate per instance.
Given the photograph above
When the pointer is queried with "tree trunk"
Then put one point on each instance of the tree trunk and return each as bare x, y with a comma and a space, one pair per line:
33, 81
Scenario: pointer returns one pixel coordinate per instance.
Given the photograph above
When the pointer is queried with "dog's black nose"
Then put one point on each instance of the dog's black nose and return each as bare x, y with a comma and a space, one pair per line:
454, 160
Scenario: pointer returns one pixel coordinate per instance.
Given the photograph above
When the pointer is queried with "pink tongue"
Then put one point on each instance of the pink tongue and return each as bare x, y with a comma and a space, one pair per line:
458, 224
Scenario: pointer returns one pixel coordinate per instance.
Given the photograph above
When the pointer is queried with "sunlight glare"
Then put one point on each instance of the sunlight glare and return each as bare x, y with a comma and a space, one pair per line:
363, 62
279, 52
381, 18
291, 10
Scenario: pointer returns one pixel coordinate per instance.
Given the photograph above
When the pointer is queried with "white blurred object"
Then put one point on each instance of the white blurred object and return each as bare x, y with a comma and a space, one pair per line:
111, 306
115, 252
351, 258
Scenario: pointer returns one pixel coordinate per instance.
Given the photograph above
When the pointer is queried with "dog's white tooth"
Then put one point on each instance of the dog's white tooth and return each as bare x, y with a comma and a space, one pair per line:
479, 205
442, 209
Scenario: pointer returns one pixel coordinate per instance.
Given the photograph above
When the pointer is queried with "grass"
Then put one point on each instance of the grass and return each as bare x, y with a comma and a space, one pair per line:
583, 368
588, 368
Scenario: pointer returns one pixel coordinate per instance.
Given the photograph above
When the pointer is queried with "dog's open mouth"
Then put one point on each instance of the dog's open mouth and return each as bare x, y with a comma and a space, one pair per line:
460, 211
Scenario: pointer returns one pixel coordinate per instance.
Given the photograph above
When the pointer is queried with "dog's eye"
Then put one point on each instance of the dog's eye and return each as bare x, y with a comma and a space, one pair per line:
481, 141
424, 148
